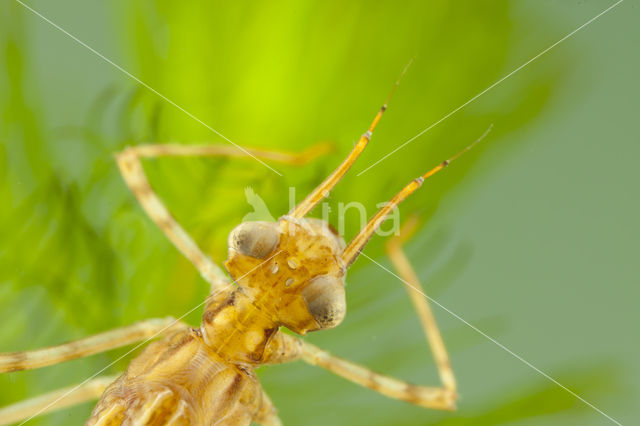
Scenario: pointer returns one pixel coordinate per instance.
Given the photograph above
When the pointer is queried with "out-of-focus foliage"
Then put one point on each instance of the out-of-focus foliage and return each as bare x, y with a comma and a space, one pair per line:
79, 256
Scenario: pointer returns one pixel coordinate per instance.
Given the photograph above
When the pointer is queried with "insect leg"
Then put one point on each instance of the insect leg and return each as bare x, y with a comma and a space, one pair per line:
55, 400
421, 303
27, 360
175, 150
134, 175
429, 397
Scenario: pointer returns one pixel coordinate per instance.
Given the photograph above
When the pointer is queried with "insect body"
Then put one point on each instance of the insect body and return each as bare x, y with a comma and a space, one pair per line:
288, 274
284, 274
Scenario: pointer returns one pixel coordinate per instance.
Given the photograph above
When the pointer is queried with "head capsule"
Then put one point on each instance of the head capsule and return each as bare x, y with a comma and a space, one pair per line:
295, 269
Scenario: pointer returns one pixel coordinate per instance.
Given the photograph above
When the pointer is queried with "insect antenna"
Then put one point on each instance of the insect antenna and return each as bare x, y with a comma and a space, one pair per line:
358, 242
327, 185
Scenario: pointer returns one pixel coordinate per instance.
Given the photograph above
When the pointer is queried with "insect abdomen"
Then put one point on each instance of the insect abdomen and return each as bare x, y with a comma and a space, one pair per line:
179, 381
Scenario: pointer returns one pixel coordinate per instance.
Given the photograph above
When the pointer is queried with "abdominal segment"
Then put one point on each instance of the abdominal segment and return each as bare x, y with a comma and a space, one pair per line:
179, 381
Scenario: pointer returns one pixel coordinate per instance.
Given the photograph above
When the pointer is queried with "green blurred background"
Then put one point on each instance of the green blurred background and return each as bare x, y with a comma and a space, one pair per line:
532, 237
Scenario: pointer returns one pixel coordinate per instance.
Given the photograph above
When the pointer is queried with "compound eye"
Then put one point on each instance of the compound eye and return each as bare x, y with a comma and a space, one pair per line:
325, 299
255, 239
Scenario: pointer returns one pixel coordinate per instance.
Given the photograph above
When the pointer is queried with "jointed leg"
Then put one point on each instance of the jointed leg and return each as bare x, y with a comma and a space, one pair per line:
175, 150
429, 397
27, 360
56, 400
421, 303
133, 173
